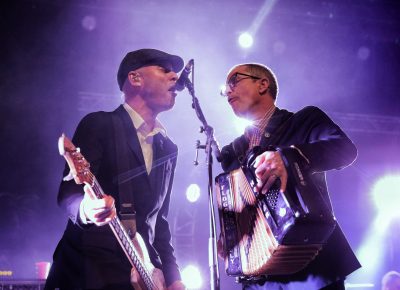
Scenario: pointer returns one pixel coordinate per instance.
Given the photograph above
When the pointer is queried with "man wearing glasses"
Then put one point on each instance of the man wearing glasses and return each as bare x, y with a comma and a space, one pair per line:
251, 90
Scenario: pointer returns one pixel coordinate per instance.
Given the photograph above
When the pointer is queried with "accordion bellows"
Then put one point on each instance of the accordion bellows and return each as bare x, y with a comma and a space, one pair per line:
271, 234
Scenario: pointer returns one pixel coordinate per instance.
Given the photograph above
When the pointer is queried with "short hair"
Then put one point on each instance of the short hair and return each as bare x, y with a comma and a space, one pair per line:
260, 70
389, 278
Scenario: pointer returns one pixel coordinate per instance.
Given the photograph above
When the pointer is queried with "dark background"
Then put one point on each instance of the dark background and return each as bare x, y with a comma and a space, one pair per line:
58, 61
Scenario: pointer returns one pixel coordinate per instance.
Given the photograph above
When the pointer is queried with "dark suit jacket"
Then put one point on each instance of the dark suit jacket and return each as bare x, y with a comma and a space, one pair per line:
327, 147
89, 256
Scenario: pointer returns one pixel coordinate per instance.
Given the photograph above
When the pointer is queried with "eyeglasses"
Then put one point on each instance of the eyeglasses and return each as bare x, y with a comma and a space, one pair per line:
233, 81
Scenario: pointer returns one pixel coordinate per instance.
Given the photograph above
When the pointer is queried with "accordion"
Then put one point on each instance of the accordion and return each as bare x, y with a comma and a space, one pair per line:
274, 233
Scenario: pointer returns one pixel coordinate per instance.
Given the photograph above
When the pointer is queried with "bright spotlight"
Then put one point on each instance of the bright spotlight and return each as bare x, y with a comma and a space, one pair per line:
245, 40
191, 277
386, 195
193, 192
241, 124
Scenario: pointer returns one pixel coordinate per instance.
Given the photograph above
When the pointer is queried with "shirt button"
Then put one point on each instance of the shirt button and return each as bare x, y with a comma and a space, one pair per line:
267, 135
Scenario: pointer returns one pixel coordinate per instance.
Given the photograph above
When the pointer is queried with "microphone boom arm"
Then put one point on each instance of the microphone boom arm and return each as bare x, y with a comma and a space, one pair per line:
207, 129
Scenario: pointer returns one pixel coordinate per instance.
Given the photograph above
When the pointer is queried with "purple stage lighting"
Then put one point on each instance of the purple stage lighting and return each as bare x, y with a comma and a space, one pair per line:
89, 22
386, 195
193, 192
245, 40
241, 124
191, 277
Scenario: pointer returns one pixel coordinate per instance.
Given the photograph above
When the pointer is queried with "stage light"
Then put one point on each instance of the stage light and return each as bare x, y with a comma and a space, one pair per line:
193, 192
6, 273
370, 252
245, 40
89, 22
386, 195
359, 285
191, 277
241, 124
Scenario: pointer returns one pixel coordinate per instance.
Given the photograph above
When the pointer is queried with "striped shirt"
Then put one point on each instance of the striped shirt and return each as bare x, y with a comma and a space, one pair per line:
254, 132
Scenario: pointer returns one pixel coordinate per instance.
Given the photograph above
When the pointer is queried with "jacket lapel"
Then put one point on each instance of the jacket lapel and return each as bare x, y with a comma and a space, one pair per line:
130, 130
138, 167
163, 163
275, 126
159, 152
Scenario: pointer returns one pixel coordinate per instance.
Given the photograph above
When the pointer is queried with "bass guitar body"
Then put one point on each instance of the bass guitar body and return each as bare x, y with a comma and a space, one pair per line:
156, 274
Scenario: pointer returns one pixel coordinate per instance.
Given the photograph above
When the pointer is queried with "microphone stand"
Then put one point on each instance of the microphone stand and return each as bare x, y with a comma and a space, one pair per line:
211, 146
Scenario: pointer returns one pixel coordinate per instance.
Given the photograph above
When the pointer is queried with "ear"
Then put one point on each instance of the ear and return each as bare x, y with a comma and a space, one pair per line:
135, 79
264, 85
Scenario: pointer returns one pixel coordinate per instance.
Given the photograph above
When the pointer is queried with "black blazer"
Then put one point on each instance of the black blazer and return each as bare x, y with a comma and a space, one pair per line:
89, 256
327, 147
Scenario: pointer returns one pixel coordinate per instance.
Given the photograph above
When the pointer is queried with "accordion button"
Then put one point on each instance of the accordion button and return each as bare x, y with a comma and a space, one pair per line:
267, 135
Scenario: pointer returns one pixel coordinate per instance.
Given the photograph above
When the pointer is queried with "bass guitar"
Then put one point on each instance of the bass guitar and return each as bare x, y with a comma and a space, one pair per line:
145, 276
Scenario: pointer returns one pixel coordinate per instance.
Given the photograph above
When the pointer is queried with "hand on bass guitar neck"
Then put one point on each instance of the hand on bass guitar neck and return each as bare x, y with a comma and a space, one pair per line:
101, 211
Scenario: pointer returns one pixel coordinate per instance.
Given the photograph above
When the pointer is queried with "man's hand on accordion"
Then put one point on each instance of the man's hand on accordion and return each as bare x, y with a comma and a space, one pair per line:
269, 166
220, 247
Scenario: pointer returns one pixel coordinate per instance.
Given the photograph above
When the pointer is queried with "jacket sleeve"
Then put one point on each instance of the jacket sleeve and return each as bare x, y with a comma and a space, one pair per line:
232, 153
325, 146
163, 239
87, 138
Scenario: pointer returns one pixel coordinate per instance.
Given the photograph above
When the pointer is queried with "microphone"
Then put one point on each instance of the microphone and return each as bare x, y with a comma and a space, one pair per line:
184, 77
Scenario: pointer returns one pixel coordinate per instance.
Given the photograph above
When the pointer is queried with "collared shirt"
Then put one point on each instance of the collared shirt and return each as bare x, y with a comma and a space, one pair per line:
255, 131
145, 135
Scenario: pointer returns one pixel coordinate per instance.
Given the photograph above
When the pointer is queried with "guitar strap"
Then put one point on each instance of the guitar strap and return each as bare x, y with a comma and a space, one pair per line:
127, 210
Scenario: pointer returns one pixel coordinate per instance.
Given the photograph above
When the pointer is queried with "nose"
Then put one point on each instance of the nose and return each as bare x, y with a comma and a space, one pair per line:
226, 90
174, 76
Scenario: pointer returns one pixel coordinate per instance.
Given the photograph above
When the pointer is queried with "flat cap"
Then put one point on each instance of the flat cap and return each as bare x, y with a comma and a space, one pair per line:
145, 57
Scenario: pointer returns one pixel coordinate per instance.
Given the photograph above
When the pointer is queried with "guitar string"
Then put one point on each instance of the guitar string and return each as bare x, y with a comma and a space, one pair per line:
123, 235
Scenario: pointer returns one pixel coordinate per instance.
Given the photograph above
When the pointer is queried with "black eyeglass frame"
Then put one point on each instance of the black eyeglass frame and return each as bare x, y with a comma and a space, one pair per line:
233, 81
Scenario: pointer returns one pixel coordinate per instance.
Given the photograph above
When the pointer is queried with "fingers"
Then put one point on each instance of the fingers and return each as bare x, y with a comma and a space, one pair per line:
260, 159
89, 191
220, 248
269, 182
268, 168
134, 276
177, 285
99, 211
265, 162
284, 179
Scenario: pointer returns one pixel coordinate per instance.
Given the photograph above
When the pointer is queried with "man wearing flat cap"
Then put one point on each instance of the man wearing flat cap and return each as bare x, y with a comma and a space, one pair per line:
134, 162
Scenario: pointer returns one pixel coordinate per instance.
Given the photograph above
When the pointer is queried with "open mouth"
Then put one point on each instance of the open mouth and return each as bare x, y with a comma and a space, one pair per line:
172, 90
